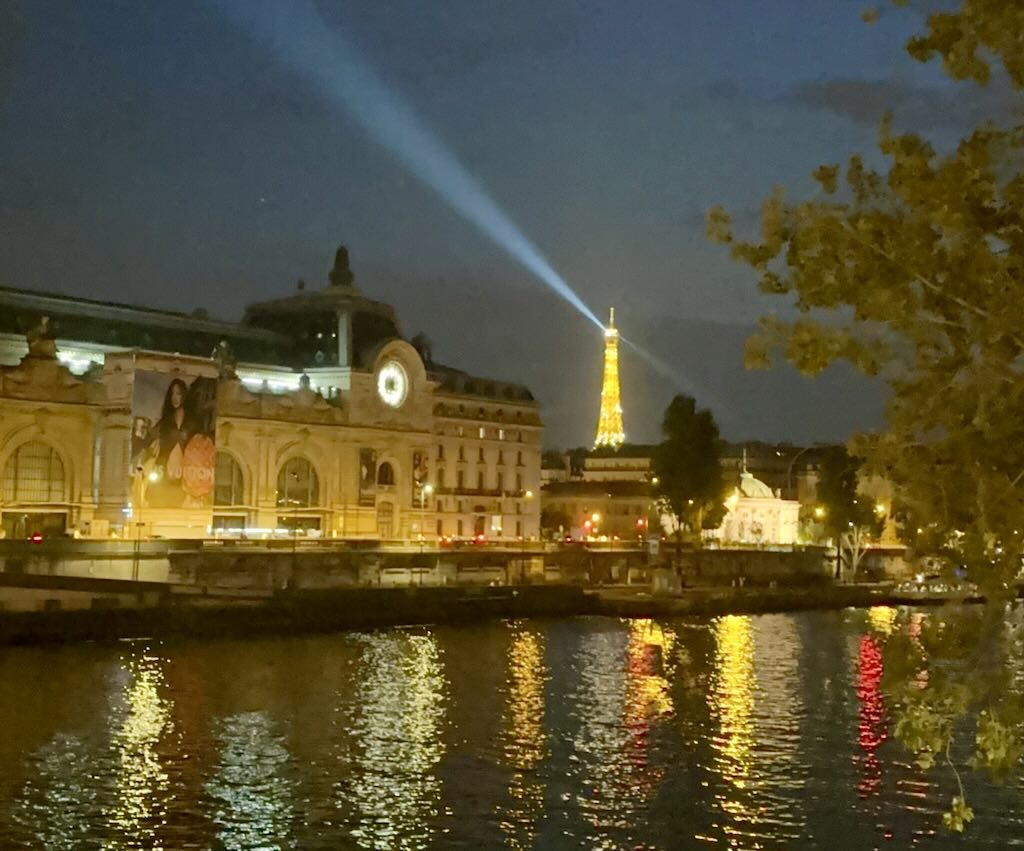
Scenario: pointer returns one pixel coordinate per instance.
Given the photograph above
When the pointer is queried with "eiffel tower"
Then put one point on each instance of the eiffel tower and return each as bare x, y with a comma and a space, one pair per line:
610, 431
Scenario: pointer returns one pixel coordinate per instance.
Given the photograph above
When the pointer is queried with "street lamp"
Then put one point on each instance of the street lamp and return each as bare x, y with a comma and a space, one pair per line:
425, 493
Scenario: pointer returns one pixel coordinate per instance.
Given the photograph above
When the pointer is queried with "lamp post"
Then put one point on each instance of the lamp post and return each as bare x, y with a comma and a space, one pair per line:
425, 493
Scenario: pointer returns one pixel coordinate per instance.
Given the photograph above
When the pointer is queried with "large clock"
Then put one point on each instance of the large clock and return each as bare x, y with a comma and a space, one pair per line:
392, 384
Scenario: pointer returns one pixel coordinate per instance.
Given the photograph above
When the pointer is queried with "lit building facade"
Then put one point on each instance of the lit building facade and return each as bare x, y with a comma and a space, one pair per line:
313, 415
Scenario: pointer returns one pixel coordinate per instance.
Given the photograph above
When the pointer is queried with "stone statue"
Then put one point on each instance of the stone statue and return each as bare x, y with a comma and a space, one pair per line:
341, 275
42, 342
225, 359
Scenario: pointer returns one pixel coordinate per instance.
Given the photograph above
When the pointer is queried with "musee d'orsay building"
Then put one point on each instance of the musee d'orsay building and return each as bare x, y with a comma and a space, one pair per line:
313, 415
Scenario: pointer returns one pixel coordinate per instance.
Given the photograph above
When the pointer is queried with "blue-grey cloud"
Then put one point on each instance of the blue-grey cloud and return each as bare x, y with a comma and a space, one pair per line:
865, 101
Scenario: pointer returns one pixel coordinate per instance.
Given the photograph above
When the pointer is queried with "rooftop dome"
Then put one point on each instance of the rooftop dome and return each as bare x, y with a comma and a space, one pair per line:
754, 488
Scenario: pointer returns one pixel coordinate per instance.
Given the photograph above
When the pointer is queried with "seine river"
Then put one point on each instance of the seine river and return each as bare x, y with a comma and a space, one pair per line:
764, 732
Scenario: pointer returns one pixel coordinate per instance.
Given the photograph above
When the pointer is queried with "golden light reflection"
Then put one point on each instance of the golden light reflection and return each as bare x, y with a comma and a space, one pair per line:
142, 783
400, 708
647, 694
882, 619
525, 742
732, 695
623, 695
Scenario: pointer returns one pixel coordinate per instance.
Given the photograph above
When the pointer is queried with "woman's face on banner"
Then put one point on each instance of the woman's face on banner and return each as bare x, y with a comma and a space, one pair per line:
177, 395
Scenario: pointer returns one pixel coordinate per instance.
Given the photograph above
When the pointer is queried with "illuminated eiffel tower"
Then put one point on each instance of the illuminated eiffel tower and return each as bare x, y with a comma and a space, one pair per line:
609, 423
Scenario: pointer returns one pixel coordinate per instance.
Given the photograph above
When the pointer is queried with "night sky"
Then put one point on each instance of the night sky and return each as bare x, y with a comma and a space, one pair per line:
153, 153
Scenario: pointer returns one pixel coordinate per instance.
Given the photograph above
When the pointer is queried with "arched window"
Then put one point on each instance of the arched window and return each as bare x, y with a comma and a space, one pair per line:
227, 482
297, 484
34, 473
385, 474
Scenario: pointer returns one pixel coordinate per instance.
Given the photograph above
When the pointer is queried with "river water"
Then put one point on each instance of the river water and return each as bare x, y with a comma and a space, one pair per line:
765, 732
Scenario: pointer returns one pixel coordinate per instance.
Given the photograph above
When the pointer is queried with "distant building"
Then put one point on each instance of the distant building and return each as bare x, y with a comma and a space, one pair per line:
613, 510
757, 516
313, 415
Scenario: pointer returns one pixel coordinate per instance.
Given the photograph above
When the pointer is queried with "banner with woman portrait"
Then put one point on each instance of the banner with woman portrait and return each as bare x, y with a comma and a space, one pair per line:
173, 448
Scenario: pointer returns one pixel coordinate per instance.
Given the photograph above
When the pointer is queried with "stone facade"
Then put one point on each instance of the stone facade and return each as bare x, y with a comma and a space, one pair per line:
455, 456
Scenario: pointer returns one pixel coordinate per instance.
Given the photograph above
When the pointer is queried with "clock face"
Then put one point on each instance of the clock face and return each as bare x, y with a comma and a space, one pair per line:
392, 384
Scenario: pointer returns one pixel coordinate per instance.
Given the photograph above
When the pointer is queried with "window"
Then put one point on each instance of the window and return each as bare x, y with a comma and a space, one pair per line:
462, 453
519, 482
461, 431
227, 481
297, 484
440, 452
440, 505
501, 434
480, 455
458, 506
385, 520
519, 528
519, 458
385, 474
501, 481
440, 477
458, 526
460, 480
483, 432
480, 480
34, 473
440, 527
501, 457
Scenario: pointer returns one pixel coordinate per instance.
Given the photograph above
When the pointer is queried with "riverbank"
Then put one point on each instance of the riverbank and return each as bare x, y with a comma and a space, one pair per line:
329, 610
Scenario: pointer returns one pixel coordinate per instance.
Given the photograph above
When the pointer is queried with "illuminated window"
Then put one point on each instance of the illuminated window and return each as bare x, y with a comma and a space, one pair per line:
297, 484
34, 473
501, 434
385, 474
483, 432
227, 481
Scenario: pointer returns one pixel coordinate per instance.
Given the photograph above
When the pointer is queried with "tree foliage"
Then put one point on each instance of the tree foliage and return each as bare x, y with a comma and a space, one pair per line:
850, 517
914, 273
688, 467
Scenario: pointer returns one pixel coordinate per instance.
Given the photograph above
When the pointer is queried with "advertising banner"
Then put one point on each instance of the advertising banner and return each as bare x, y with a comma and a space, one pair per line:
174, 453
419, 476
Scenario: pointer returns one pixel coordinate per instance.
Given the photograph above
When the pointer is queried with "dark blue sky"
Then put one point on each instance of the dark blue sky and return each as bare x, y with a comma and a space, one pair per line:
152, 153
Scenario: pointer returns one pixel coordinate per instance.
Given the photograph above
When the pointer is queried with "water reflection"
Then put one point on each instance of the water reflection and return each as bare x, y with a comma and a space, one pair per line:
58, 806
732, 701
622, 692
251, 797
755, 697
524, 738
142, 790
393, 793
